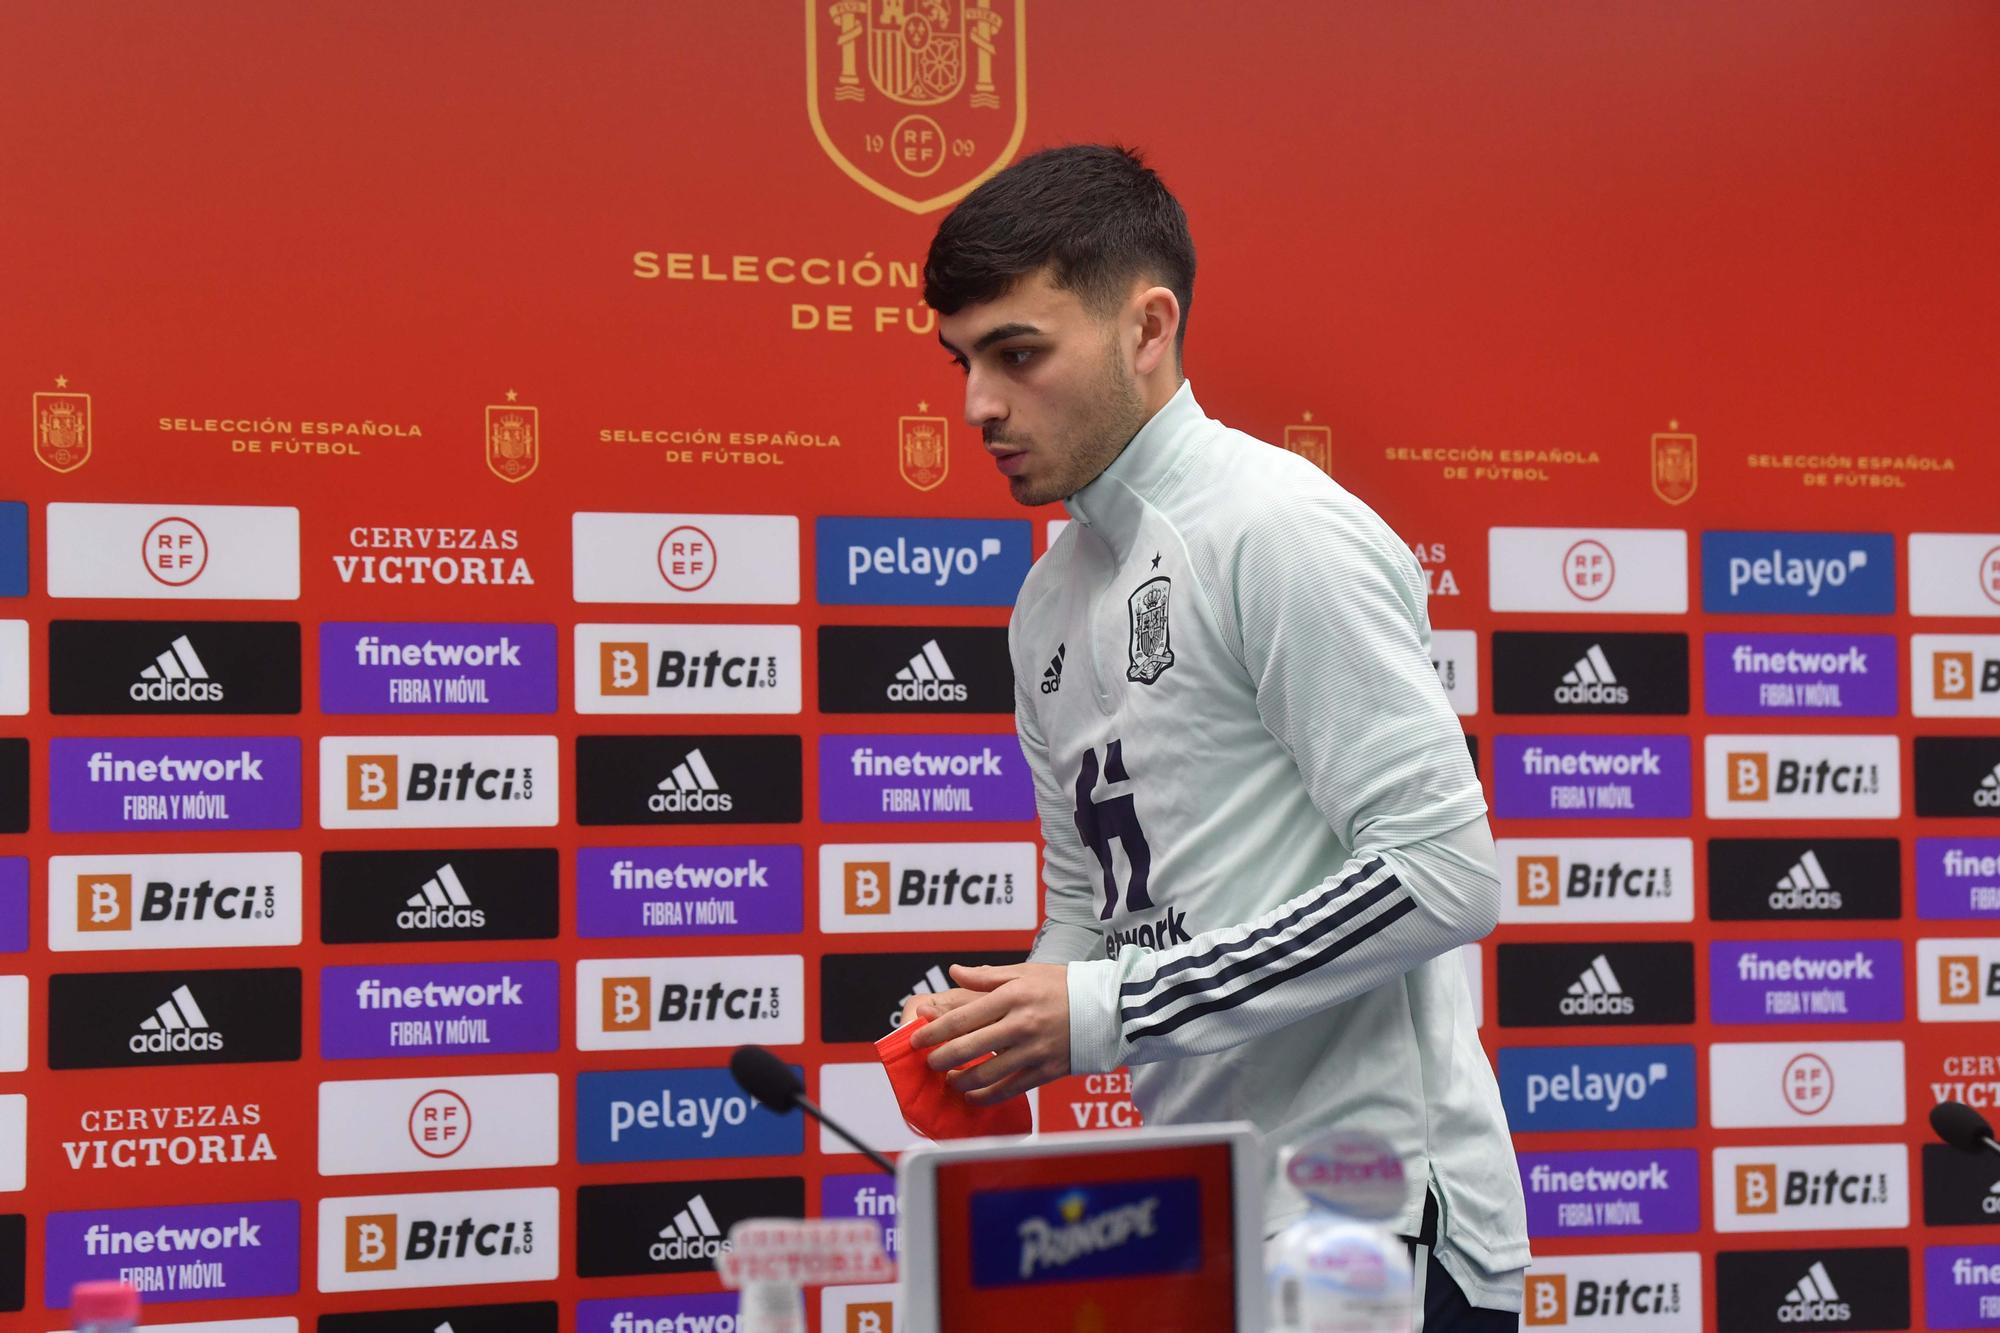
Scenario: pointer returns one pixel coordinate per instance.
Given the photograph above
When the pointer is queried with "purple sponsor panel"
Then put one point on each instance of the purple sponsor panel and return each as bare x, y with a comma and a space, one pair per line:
107, 784
714, 1313
1636, 1193
13, 904
1958, 879
871, 1195
1806, 981
398, 666
437, 1009
1592, 777
195, 1252
631, 892
1801, 675
903, 779
1962, 1286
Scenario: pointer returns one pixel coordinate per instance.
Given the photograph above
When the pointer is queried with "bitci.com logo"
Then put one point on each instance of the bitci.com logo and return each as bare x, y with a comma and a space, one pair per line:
688, 669
952, 886
1954, 675
1959, 980
649, 1003
1651, 1293
1803, 777
368, 782
215, 900
438, 1240
1833, 1187
1562, 881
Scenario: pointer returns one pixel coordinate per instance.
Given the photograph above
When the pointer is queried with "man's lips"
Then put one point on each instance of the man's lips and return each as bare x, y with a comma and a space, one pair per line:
1011, 464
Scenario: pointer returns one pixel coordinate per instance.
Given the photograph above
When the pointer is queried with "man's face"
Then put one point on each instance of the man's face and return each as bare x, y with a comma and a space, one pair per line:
1048, 384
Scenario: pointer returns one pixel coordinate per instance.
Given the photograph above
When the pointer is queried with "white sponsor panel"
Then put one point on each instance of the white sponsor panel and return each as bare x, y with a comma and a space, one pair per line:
1955, 573
13, 667
440, 1123
688, 669
860, 1097
1475, 980
13, 1142
741, 559
868, 1307
1805, 1084
868, 888
13, 1024
1588, 570
208, 900
1054, 528
1648, 1293
636, 1004
370, 782
1455, 654
1825, 1187
1958, 981
1565, 881
1803, 777
284, 1324
179, 552
382, 1241
1955, 675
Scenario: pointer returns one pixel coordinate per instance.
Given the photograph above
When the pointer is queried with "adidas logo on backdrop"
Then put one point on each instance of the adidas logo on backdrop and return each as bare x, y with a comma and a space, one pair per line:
690, 787
441, 904
176, 675
177, 1025
1592, 681
1597, 991
1989, 789
1805, 885
693, 1234
927, 679
1052, 677
1813, 1301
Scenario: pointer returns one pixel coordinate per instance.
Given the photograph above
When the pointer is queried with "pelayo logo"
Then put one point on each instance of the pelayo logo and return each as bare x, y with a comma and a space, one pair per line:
13, 557
1591, 777
1630, 1193
636, 892
669, 1115
1575, 880
438, 1240
195, 1252
173, 666
1831, 1187
436, 667
921, 561
1805, 981
119, 784
214, 900
189, 1017
672, 1228
1799, 573
1598, 1087
1800, 675
419, 1009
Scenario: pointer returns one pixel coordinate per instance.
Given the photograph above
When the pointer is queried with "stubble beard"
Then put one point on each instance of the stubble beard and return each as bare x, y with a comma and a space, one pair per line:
1112, 414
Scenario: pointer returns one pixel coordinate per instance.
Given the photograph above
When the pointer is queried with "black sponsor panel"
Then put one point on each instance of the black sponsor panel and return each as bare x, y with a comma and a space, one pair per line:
111, 1020
1799, 1291
1535, 672
173, 666
529, 1317
1472, 748
861, 994
13, 1261
460, 893
672, 1228
689, 779
1958, 776
914, 669
13, 785
1596, 985
1804, 879
1960, 1189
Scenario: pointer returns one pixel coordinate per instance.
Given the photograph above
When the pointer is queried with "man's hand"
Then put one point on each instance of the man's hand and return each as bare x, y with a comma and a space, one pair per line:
1021, 1012
934, 1004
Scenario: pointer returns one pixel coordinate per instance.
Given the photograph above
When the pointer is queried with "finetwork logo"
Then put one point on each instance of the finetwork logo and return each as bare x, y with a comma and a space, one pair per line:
1801, 675
436, 667
418, 1009
437, 781
627, 892
687, 669
710, 559
1958, 878
188, 1253
716, 1313
437, 1240
1817, 1289
1962, 1285
1835, 1187
1803, 777
927, 778
644, 1003
868, 888
1651, 1293
1806, 981
921, 561
672, 1228
1799, 573
1565, 880
1591, 777
102, 785
212, 900
1627, 1193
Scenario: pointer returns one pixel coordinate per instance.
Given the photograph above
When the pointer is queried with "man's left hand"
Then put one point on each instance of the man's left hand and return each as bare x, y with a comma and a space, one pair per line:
1021, 1012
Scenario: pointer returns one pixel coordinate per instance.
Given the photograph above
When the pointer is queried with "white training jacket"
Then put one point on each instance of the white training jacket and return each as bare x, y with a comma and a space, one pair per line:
1266, 841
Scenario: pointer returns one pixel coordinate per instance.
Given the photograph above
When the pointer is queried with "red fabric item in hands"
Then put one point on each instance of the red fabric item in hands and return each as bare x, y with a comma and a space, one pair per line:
929, 1104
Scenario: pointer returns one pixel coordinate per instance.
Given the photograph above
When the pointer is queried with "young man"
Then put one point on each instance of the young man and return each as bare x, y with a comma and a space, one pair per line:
1266, 842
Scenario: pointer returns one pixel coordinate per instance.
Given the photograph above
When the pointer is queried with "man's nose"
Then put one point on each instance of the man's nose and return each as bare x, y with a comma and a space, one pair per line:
983, 406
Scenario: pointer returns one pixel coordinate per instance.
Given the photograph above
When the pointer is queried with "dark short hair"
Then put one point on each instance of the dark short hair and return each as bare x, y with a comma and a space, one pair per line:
1094, 214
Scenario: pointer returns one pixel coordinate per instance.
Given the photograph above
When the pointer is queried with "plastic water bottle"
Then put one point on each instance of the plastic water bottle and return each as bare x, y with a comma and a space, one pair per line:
1338, 1269
103, 1307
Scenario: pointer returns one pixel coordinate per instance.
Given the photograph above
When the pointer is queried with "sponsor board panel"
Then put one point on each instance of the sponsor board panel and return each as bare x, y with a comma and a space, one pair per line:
861, 995
433, 1009
921, 561
193, 1252
13, 1261
1955, 675
870, 888
671, 1115
222, 1131
1597, 1087
1563, 881
1960, 1189
689, 779
1804, 879
1958, 980
688, 669
13, 784
1552, 673
866, 1307
1818, 1289
1783, 1084
1648, 1293
923, 778
173, 666
914, 669
1588, 985
378, 782
1639, 1192
1805, 981
121, 1020
1958, 777
13, 555
638, 892
1799, 573
13, 1142
1588, 570
13, 668
712, 1313
205, 552
1455, 655
213, 900
441, 1122
661, 1228
525, 1317
1821, 1187
1955, 574
1802, 777
1800, 675
383, 1241
690, 559
161, 783
13, 904
631, 1004
400, 666
1962, 1286
1591, 777
866, 1194
1958, 879
280, 1324
456, 893
14, 1024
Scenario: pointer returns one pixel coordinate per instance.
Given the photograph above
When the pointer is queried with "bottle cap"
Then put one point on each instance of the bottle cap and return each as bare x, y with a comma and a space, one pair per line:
103, 1303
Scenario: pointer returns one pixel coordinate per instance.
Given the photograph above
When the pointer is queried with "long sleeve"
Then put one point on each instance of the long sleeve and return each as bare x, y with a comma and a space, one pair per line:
1070, 929
1328, 610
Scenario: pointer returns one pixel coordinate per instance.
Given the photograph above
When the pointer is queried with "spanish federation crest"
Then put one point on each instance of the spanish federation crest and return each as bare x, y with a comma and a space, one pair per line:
1152, 650
1674, 477
921, 449
513, 440
1313, 443
62, 429
917, 100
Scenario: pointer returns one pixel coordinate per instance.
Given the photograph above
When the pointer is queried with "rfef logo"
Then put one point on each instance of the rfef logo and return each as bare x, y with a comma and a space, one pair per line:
1589, 673
1799, 573
1954, 574
459, 893
672, 1228
118, 784
687, 669
1819, 1289
1609, 570
1805, 981
1800, 675
712, 559
923, 778
1574, 880
189, 1017
462, 1122
921, 561
659, 1003
1958, 980
173, 666
438, 1240
1830, 1187
436, 667
1958, 879
1777, 1085
1628, 1193
954, 886
670, 1115
1958, 777
427, 1009
1803, 777
1652, 1293
195, 1252
705, 779
636, 892
214, 900
1804, 879
370, 782
914, 669
1598, 1087
1955, 675
1570, 985
1591, 777
210, 552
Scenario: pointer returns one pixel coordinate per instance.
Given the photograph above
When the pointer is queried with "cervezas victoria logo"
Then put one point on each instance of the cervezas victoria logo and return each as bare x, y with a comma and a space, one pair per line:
419, 556
918, 101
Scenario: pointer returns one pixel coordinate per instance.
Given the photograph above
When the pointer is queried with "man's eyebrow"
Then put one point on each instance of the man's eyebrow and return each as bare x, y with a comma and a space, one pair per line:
992, 336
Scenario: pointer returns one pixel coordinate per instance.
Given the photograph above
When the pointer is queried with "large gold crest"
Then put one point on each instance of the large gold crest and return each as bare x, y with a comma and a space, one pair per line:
513, 440
62, 429
918, 100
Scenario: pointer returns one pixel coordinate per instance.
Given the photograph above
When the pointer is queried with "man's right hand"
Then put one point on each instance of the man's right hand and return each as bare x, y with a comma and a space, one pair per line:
936, 1004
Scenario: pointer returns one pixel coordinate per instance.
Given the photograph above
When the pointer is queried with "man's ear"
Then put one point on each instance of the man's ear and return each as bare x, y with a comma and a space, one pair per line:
1158, 315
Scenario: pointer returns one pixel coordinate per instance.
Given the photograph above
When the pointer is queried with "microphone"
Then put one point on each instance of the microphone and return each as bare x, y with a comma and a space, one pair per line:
1962, 1127
772, 1082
